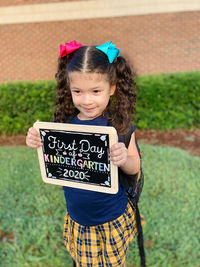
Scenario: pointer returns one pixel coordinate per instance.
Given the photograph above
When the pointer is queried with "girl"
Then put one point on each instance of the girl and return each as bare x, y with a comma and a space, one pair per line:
98, 227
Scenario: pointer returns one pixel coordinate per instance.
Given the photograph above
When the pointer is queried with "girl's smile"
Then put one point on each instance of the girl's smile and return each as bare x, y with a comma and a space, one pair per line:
90, 93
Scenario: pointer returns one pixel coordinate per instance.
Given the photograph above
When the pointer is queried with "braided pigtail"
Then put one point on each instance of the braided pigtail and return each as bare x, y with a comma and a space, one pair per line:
122, 108
64, 108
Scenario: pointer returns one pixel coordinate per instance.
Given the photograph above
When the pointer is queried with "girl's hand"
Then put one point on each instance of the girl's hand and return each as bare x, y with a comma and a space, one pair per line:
118, 154
33, 138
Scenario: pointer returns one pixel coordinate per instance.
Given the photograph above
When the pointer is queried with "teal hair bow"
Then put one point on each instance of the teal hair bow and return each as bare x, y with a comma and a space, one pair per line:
110, 50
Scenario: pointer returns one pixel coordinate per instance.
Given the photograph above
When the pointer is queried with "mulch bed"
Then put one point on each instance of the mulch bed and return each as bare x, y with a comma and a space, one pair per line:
185, 139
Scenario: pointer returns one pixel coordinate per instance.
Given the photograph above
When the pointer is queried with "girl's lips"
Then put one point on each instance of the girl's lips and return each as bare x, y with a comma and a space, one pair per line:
88, 109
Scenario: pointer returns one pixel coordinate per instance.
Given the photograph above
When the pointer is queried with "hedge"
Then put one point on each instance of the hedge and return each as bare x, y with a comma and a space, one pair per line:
168, 101
22, 103
164, 102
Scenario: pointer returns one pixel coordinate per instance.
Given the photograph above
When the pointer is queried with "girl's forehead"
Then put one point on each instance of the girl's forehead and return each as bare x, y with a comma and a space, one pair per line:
90, 76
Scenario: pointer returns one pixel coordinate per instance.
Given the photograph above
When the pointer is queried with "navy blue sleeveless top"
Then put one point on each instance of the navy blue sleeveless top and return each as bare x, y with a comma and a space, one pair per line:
91, 208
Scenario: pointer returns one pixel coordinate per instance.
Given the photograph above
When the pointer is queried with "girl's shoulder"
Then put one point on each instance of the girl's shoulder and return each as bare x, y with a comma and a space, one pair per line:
126, 137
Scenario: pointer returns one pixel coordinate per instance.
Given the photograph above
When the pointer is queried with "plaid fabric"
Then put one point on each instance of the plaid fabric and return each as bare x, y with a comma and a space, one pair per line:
102, 245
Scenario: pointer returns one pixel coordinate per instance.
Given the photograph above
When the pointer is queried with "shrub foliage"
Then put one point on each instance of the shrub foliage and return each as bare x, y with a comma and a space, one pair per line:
165, 101
22, 103
168, 101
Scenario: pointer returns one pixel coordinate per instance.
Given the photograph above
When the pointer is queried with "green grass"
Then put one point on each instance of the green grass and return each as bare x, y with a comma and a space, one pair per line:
31, 212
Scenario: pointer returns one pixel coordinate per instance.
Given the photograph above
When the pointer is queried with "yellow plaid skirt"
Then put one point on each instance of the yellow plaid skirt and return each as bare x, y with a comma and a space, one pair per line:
101, 245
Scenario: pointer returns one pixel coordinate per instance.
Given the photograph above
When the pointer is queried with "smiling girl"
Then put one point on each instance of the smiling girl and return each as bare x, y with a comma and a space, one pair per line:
98, 227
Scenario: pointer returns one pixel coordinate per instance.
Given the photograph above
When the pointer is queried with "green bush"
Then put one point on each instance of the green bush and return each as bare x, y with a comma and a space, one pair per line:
168, 101
22, 103
165, 101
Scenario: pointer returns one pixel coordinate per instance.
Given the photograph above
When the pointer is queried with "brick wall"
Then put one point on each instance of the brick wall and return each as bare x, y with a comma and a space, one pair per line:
154, 43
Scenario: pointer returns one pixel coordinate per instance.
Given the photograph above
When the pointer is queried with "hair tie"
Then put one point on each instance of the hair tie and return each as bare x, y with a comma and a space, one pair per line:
68, 48
110, 50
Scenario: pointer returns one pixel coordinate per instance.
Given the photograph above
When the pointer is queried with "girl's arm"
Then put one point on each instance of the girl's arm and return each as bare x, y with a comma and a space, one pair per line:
127, 159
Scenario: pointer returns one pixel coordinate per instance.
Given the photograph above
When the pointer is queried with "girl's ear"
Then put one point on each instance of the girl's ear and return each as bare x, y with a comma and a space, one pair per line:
112, 89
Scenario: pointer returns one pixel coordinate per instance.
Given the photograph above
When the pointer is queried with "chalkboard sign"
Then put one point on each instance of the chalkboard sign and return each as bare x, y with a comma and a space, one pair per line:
77, 156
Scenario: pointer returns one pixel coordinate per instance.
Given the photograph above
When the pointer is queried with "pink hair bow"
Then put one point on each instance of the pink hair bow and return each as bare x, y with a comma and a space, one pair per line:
68, 48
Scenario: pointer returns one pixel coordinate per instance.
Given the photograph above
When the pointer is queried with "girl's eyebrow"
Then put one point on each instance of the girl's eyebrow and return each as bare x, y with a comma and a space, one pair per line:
94, 88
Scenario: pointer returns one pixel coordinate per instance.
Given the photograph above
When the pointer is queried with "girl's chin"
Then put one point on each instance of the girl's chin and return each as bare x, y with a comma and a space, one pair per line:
88, 116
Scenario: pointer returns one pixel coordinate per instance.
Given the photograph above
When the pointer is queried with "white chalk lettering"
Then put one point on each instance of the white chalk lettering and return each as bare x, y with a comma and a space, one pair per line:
57, 144
85, 147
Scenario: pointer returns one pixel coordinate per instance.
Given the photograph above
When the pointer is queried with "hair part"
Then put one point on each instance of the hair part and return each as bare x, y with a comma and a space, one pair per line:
88, 59
85, 68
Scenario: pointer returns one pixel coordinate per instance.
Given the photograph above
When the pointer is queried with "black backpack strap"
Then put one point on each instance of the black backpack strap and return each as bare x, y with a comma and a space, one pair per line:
140, 240
126, 139
129, 182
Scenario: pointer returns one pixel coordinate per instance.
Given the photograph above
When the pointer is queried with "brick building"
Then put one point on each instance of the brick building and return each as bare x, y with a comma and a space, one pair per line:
155, 35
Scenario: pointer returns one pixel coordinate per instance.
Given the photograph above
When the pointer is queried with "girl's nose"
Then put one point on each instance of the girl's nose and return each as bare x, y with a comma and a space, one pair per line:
86, 99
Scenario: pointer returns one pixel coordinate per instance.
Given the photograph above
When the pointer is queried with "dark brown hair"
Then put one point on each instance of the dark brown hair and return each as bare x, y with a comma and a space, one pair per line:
121, 108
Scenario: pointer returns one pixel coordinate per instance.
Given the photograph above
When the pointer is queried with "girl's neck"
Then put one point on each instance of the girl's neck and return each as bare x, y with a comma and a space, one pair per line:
81, 118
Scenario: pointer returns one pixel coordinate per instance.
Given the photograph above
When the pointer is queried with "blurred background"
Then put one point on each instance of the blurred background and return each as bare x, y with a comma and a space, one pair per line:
161, 39
157, 36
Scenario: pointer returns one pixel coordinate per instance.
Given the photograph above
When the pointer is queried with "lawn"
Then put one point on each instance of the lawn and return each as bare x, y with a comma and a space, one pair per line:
31, 212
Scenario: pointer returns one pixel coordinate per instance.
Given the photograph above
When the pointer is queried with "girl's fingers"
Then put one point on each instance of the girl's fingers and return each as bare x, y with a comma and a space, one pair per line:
118, 154
118, 162
33, 131
117, 146
33, 138
118, 158
117, 150
33, 143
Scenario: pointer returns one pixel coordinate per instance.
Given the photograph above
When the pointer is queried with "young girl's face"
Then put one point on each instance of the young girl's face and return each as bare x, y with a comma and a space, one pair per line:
90, 93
